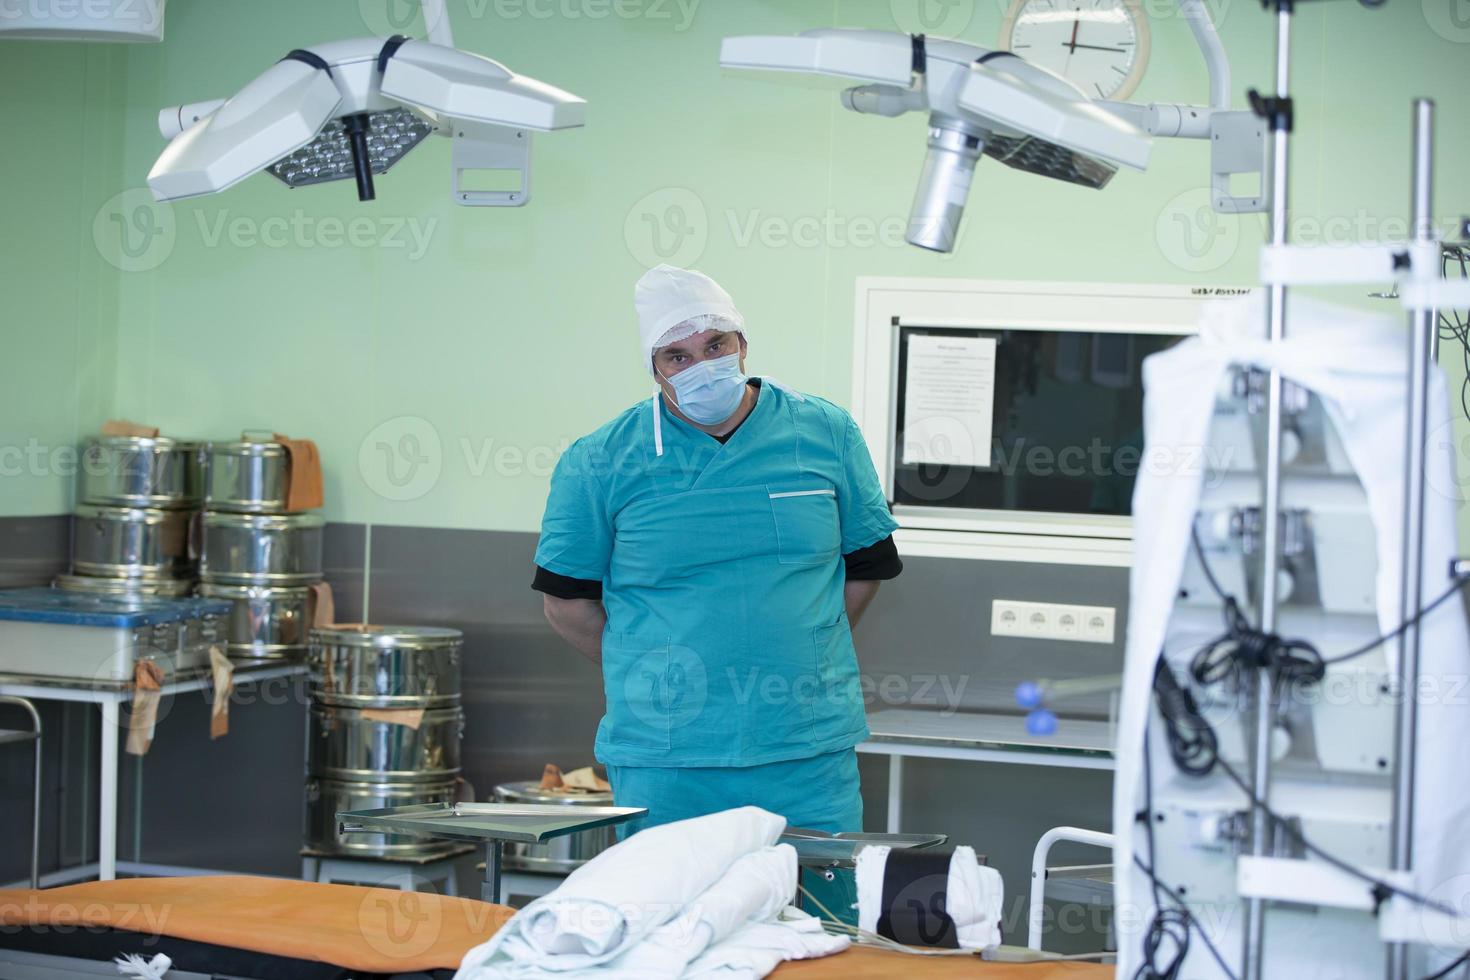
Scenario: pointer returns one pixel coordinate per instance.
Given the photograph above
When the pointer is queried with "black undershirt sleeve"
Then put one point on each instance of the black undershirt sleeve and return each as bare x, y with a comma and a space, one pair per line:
876, 562
565, 587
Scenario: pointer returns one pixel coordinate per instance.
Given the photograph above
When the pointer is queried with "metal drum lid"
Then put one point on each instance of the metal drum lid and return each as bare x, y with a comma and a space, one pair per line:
269, 593
101, 585
262, 522
530, 791
367, 636
247, 448
132, 515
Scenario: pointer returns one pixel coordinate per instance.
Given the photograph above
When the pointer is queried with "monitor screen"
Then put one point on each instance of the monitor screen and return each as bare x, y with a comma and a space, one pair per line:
1020, 420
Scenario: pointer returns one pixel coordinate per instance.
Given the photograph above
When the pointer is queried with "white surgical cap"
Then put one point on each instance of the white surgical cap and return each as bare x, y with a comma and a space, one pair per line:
676, 303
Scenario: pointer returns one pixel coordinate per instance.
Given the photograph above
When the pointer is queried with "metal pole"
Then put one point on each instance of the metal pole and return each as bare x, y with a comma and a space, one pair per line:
109, 763
490, 888
1263, 697
1411, 595
36, 811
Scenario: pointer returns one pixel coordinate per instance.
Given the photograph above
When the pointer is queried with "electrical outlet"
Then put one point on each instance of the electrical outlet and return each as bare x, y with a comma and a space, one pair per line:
1068, 624
1005, 618
1038, 621
1052, 621
1097, 624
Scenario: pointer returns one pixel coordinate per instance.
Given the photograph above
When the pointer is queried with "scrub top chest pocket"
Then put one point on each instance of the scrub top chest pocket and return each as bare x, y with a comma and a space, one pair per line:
808, 530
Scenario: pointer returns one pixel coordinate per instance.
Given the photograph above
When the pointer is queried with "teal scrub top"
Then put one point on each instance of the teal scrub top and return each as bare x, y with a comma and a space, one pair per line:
727, 641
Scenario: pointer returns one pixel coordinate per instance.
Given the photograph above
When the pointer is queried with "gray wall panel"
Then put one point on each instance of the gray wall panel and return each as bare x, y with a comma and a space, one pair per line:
344, 562
33, 550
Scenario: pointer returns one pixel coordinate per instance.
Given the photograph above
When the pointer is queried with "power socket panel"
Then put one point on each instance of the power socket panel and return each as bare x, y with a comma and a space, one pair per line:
1053, 621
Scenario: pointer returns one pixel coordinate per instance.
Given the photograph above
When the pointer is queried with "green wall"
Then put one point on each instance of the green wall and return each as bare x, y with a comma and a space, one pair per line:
441, 356
59, 321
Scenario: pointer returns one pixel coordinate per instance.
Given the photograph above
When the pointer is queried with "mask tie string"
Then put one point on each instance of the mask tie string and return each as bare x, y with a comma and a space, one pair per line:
658, 428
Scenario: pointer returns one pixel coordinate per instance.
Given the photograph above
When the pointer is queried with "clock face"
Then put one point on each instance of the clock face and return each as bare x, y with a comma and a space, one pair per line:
1101, 46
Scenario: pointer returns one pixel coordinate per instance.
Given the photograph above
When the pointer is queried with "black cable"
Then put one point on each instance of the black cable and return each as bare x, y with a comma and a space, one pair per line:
1243, 647
1192, 742
1175, 924
1201, 751
1209, 668
1219, 659
1379, 886
1358, 652
1451, 326
1463, 959
1199, 551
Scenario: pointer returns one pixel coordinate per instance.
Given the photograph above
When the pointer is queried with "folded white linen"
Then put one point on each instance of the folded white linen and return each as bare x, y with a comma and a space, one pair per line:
647, 907
974, 891
759, 947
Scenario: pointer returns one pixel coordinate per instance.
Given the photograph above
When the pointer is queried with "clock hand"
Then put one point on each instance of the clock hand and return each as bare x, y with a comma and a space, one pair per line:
1075, 25
1092, 47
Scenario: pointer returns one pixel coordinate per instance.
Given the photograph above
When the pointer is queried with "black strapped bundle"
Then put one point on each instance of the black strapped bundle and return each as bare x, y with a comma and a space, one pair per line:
1242, 648
915, 898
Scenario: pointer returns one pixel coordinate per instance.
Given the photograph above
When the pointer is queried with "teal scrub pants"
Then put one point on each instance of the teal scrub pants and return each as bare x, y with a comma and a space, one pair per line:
820, 793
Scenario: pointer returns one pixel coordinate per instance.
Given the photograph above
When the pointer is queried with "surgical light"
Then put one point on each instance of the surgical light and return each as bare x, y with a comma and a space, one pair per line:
359, 146
996, 104
352, 109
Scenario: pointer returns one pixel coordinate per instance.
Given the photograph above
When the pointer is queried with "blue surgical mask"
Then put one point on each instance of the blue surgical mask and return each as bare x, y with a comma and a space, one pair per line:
709, 392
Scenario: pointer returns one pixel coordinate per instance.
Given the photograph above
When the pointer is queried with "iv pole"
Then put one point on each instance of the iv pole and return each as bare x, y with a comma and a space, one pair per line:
1277, 110
1422, 337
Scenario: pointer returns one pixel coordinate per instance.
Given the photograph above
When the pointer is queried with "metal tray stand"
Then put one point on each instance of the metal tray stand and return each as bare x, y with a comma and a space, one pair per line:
491, 824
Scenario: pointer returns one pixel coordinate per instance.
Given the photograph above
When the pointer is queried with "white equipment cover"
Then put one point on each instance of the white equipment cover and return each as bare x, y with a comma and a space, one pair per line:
1357, 364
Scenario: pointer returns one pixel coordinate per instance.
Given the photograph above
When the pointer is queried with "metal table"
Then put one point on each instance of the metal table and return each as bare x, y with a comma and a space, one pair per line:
109, 696
901, 733
491, 824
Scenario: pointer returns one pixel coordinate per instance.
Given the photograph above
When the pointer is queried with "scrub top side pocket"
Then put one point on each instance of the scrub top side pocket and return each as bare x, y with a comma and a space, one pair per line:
808, 529
649, 691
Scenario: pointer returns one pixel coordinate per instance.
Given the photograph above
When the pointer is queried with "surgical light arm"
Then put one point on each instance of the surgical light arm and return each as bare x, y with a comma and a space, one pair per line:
1237, 139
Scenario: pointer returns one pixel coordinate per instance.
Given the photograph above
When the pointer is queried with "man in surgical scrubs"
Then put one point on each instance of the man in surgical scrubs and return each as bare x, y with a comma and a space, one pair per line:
711, 548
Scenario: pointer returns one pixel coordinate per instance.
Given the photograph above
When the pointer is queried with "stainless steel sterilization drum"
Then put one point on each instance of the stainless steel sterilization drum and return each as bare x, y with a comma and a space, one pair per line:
262, 549
385, 666
347, 744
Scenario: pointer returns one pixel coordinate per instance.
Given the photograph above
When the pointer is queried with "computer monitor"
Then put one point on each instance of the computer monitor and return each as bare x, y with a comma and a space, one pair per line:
1009, 415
